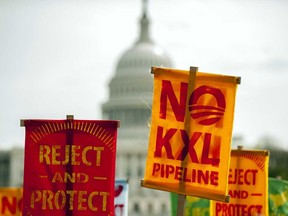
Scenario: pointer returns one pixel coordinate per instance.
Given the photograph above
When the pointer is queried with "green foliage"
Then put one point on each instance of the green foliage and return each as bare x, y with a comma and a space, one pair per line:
278, 165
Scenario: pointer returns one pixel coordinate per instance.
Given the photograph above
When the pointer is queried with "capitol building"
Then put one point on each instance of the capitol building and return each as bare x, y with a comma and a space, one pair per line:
130, 101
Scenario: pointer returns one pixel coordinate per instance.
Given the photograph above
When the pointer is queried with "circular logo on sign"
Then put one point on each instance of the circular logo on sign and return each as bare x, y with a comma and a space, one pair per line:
207, 114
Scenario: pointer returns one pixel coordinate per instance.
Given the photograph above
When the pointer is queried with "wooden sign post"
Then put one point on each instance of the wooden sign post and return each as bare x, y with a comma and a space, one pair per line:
181, 204
191, 86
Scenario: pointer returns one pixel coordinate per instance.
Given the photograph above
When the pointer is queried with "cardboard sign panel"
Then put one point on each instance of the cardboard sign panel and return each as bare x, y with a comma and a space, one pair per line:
11, 201
69, 167
190, 135
248, 185
121, 197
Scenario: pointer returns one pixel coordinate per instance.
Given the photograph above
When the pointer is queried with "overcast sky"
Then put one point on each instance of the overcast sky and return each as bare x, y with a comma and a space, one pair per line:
57, 56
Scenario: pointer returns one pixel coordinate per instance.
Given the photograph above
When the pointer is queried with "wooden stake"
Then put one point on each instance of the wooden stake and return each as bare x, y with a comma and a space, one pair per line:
69, 167
22, 123
181, 204
69, 117
239, 147
191, 86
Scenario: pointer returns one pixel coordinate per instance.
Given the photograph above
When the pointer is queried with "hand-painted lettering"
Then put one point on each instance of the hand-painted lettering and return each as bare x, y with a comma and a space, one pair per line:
164, 141
238, 194
72, 154
163, 144
184, 174
73, 178
77, 200
168, 93
225, 209
10, 205
179, 107
242, 177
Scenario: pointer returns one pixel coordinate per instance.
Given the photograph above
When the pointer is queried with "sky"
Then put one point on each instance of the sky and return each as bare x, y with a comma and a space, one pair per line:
58, 56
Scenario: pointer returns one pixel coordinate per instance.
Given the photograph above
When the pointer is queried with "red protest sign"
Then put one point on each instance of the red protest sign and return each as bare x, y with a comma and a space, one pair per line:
69, 167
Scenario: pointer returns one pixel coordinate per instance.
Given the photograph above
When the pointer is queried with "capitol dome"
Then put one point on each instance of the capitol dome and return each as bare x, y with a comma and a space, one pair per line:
130, 101
131, 88
140, 58
143, 54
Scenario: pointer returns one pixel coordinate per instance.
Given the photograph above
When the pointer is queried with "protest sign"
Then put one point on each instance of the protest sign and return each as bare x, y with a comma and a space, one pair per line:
11, 201
248, 185
121, 197
190, 134
69, 167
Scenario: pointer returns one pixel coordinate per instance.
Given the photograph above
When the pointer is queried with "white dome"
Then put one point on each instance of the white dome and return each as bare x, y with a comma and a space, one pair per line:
131, 88
140, 58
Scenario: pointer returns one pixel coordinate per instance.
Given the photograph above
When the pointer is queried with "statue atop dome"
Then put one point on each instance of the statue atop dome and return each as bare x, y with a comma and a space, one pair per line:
144, 25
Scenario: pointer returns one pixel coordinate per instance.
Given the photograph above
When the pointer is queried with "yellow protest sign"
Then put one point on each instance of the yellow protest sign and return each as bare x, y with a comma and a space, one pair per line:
190, 134
248, 185
11, 201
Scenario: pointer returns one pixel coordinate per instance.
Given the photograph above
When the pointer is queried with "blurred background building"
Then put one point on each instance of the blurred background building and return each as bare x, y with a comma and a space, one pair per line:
130, 101
12, 167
